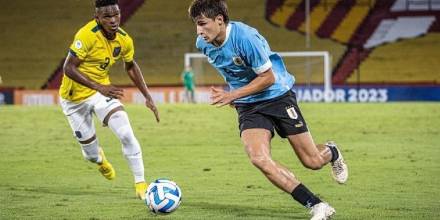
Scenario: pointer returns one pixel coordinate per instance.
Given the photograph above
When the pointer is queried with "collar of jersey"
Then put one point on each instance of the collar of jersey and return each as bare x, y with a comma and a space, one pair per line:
228, 32
99, 28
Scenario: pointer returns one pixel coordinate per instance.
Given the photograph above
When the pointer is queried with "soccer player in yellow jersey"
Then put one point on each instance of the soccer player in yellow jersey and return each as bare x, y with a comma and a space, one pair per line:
86, 89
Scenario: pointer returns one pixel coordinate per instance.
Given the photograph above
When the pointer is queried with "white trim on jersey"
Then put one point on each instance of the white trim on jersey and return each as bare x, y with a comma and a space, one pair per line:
263, 68
228, 31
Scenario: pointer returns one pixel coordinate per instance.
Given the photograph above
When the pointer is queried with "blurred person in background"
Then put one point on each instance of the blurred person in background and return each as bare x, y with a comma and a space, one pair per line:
189, 84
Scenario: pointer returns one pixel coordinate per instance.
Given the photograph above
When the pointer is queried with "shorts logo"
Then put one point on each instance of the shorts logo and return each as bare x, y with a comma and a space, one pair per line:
78, 44
292, 113
78, 134
238, 61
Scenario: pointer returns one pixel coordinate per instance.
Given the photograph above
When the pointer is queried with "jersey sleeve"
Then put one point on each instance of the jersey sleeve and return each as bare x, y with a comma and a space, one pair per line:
128, 52
81, 45
252, 49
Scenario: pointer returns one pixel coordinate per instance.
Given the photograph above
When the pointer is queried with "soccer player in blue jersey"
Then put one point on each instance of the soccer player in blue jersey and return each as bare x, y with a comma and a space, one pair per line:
261, 91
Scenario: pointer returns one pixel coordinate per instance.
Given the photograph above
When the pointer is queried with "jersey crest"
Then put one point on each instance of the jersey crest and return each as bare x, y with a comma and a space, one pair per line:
238, 61
116, 51
291, 112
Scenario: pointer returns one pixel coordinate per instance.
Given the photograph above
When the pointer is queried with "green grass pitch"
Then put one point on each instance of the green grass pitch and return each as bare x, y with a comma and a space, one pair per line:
393, 152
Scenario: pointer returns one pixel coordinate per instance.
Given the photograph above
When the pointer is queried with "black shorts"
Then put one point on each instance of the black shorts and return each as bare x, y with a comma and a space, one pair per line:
281, 113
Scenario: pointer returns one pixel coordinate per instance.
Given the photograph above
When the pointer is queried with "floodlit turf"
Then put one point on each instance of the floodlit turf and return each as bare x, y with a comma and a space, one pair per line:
393, 152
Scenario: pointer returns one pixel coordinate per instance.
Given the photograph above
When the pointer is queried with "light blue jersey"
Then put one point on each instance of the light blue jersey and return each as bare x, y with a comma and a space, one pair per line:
243, 55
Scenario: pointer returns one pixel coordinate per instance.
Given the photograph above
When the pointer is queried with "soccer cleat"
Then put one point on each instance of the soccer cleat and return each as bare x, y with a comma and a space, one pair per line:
105, 167
339, 167
141, 188
322, 211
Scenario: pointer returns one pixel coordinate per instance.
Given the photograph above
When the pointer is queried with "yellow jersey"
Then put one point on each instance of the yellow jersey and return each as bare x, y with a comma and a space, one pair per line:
98, 54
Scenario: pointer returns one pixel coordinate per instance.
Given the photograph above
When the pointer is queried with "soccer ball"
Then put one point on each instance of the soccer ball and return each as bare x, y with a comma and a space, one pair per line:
163, 196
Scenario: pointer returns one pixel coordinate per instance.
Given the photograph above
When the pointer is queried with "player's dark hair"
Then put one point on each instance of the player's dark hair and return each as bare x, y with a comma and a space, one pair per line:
209, 8
102, 3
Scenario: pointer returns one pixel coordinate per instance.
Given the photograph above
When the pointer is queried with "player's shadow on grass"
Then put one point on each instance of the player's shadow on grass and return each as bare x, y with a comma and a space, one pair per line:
243, 211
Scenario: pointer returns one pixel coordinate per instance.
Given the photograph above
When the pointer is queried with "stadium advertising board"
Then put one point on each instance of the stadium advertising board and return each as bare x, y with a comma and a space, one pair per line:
36, 97
368, 93
163, 95
131, 95
166, 95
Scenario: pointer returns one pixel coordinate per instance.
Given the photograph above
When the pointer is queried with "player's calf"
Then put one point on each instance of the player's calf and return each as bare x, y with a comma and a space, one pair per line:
313, 163
120, 125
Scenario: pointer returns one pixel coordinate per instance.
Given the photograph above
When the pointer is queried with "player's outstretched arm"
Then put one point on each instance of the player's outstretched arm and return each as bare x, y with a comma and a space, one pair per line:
71, 70
221, 98
135, 74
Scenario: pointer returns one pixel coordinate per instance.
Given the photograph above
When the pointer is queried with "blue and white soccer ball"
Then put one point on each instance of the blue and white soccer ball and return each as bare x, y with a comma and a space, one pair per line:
163, 196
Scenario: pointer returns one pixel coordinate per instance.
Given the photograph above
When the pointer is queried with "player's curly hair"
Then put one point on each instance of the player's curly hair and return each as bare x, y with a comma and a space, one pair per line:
102, 3
208, 8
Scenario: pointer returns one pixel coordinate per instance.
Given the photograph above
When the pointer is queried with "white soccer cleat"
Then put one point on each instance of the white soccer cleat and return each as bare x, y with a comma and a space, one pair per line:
322, 211
339, 167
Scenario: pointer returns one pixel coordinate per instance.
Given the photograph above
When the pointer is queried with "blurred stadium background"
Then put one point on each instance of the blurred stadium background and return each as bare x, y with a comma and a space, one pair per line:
380, 50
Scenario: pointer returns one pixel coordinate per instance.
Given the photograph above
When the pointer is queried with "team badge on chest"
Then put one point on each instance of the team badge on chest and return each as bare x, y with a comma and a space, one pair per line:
238, 61
116, 51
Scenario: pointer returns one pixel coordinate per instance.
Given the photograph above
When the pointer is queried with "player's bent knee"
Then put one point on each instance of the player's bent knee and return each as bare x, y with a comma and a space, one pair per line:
120, 125
125, 134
